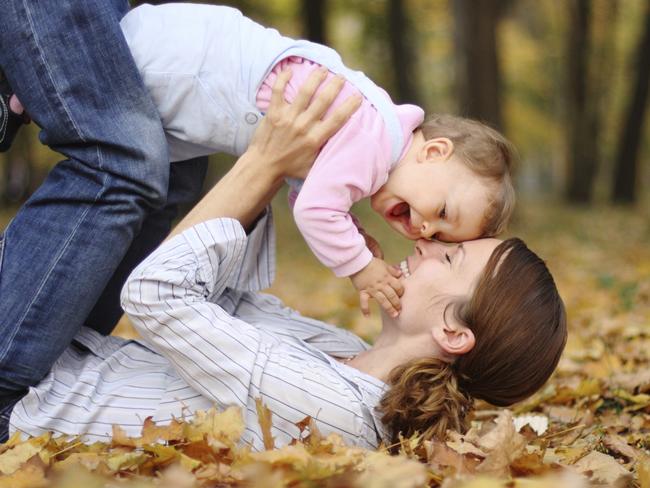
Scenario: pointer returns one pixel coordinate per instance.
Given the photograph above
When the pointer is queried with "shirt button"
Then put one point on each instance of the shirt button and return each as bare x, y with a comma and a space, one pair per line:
251, 118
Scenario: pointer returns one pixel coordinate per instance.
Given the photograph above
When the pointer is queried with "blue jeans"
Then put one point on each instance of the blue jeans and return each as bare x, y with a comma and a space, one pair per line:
64, 255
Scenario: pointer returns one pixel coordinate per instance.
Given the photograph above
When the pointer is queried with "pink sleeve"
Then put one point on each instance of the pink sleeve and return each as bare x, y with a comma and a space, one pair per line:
352, 165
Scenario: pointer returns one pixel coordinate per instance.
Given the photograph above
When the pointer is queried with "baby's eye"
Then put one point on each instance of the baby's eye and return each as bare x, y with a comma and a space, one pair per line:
443, 212
448, 258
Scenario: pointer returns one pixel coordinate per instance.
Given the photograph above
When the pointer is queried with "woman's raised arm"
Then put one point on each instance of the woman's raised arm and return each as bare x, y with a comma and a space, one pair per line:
284, 146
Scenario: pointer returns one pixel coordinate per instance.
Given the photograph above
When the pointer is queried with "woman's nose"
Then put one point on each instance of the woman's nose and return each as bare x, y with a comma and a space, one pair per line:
426, 247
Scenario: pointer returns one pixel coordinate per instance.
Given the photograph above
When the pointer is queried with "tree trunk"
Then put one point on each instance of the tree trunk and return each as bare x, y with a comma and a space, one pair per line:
479, 77
581, 144
403, 54
314, 20
628, 148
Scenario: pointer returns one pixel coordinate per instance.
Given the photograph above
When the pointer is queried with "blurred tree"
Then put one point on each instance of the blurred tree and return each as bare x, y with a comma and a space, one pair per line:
589, 54
314, 15
403, 46
582, 161
479, 76
627, 157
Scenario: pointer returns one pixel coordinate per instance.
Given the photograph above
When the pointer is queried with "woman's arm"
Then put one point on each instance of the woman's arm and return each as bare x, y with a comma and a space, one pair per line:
285, 145
170, 296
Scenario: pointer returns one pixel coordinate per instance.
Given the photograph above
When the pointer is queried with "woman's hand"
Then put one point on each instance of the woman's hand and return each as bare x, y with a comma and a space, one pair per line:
284, 145
291, 134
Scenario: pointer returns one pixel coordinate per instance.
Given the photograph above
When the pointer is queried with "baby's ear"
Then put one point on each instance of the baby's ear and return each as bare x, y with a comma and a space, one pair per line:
436, 149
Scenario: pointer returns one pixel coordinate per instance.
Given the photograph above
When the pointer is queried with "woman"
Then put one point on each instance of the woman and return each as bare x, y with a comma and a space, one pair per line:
481, 319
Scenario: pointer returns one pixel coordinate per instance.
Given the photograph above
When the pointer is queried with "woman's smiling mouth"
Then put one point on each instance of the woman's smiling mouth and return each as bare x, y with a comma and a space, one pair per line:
404, 268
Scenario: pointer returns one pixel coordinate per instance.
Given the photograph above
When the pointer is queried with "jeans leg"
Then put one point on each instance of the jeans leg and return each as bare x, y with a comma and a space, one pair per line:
185, 185
5, 416
71, 68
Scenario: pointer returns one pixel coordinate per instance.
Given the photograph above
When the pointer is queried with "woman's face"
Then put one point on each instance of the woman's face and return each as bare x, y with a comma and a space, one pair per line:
437, 273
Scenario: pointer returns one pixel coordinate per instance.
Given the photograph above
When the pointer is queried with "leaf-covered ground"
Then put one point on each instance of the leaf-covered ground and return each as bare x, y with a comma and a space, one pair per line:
589, 426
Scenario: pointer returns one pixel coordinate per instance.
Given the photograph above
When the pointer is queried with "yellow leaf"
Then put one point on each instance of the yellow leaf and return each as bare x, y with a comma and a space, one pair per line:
226, 426
124, 460
265, 418
12, 459
89, 460
121, 439
27, 477
188, 463
295, 456
153, 433
643, 473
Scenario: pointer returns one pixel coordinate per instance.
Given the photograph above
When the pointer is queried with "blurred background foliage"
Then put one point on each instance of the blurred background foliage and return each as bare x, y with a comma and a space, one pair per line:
567, 81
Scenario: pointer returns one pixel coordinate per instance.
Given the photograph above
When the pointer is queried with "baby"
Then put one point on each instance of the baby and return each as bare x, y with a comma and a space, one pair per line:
210, 72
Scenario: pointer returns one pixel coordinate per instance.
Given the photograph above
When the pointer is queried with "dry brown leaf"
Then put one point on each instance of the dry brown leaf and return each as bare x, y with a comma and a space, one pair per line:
618, 444
503, 444
602, 468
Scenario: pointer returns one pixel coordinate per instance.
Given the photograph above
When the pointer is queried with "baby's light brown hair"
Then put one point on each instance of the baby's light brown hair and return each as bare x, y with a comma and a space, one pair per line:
488, 154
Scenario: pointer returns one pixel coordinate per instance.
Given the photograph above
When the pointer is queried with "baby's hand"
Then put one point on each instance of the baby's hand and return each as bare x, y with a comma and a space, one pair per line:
379, 281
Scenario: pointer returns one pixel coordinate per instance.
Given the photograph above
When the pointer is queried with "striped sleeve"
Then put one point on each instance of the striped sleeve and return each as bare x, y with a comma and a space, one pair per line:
169, 300
269, 313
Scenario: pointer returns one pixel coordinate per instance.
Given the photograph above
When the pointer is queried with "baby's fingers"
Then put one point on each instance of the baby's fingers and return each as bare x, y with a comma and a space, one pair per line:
387, 301
364, 298
392, 295
397, 286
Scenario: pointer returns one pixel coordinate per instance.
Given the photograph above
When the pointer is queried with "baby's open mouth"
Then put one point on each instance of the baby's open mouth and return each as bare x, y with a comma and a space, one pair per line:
400, 210
402, 213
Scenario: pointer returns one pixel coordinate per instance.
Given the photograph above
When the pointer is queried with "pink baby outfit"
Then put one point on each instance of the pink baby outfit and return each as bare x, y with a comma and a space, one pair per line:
352, 165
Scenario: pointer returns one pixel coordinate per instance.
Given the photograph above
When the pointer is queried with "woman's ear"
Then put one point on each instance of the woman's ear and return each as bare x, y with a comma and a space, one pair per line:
436, 149
453, 338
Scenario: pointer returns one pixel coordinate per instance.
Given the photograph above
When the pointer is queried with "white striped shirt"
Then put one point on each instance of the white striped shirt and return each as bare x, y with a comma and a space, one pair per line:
209, 338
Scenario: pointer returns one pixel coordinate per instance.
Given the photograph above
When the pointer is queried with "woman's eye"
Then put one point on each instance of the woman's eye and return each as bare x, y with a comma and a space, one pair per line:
443, 212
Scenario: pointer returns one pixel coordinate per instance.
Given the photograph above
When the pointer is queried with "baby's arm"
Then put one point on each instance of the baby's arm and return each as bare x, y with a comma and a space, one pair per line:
342, 175
351, 166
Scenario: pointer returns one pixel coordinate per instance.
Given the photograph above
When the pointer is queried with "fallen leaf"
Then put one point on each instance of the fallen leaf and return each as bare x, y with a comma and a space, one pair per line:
602, 468
265, 418
13, 458
503, 444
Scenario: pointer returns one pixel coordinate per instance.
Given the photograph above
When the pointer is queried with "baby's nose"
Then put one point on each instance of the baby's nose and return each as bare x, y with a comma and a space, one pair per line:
427, 230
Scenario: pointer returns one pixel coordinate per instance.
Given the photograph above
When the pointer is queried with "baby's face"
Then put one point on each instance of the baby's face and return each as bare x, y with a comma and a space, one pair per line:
442, 200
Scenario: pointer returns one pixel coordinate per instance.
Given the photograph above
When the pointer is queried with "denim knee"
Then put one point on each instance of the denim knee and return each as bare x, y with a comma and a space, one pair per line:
155, 178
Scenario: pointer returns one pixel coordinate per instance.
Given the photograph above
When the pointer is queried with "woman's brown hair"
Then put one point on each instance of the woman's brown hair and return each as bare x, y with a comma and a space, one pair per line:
519, 323
488, 154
